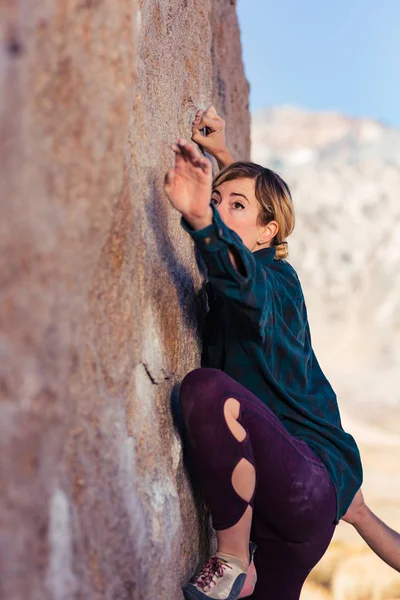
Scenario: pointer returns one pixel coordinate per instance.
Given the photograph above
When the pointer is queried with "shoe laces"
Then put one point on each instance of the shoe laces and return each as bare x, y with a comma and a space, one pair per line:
214, 566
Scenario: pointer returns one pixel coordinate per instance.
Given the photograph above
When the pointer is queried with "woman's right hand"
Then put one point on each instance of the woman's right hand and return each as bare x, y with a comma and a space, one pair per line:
189, 184
214, 141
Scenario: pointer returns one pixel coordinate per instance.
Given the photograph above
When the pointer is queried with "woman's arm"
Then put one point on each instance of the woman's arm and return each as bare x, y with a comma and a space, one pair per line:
383, 540
188, 187
214, 141
232, 268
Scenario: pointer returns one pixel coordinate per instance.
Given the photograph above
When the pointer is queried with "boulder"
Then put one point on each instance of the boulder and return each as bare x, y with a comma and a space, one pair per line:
99, 286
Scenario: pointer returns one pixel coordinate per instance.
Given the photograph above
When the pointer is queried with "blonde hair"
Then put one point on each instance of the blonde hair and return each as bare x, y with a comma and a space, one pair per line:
273, 194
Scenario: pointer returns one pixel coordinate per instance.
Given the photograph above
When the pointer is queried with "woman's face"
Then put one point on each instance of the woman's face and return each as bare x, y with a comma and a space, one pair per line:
238, 207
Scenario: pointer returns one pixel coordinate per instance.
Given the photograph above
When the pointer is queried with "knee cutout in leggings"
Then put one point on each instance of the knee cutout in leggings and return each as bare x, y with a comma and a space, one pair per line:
243, 475
231, 414
243, 479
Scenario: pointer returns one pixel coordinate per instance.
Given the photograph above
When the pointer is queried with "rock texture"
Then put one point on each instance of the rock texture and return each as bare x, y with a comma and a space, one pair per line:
98, 320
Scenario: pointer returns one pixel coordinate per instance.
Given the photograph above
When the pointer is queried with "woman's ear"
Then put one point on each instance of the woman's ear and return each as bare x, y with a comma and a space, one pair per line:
268, 232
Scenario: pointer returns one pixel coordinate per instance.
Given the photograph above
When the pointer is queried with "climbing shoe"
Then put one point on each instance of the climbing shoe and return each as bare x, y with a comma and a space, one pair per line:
223, 578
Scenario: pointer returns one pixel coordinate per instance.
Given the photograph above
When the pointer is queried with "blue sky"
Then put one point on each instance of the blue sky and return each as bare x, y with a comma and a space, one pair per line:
324, 54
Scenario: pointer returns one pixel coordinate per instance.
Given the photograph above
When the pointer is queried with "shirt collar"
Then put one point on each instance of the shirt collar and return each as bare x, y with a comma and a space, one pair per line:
265, 255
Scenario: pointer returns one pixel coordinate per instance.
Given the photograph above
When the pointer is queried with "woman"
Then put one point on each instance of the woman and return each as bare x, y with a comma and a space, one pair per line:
263, 422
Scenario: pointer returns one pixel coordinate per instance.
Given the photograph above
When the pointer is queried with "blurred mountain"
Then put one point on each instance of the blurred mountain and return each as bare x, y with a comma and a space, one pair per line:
344, 174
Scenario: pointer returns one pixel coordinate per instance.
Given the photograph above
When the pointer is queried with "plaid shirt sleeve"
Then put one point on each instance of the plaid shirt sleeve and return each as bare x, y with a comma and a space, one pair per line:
249, 295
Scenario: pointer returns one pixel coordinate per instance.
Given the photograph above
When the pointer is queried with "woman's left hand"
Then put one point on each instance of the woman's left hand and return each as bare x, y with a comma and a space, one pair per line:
188, 184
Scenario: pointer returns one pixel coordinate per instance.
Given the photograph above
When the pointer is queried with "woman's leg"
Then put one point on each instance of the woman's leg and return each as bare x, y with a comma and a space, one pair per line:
294, 498
235, 540
282, 566
221, 446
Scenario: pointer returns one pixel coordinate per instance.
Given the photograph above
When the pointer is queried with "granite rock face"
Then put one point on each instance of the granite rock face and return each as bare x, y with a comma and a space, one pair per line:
98, 290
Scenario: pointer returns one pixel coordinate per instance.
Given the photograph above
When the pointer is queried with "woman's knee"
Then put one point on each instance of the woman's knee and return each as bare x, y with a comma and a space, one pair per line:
199, 386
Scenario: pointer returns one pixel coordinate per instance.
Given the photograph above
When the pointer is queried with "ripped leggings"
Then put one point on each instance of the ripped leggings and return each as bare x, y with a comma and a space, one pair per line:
294, 501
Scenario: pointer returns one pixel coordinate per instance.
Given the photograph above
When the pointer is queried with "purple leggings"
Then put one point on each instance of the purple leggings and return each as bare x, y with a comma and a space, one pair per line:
294, 502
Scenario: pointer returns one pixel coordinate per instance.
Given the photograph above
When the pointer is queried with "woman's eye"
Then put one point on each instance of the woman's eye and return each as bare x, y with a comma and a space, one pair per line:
236, 205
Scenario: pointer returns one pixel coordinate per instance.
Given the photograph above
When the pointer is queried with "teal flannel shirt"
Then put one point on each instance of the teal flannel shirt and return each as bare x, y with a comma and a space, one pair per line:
257, 332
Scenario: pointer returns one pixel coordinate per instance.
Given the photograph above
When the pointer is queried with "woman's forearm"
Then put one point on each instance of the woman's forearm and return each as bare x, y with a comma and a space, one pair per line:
383, 540
224, 159
200, 223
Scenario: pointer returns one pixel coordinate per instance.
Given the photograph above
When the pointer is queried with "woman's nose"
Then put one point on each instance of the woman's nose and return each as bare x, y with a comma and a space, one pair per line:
221, 209
222, 212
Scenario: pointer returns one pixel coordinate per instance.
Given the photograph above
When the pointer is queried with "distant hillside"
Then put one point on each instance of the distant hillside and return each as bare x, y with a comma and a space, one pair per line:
344, 174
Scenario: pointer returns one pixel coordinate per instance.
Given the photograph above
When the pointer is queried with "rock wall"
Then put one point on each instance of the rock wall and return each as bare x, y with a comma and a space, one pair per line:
98, 289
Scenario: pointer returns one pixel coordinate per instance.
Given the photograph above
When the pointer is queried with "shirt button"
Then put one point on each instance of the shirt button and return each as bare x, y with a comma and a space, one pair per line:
207, 240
